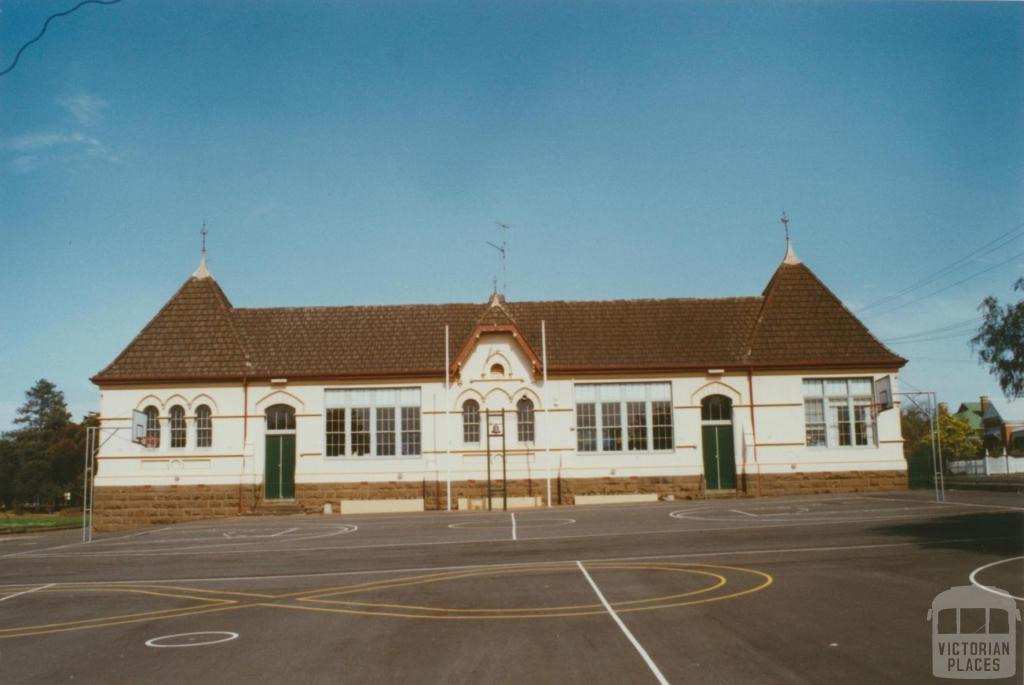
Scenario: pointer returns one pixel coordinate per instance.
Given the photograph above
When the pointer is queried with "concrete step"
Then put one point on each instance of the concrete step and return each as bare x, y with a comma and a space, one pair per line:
277, 507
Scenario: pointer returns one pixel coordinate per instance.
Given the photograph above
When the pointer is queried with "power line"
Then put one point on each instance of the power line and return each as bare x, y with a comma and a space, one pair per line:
951, 285
973, 321
996, 243
46, 24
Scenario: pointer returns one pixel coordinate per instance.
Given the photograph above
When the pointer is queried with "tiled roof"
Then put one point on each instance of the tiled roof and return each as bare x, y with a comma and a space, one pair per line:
802, 322
797, 320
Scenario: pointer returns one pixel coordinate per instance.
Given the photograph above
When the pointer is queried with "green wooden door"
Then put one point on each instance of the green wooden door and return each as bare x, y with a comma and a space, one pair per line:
279, 480
719, 457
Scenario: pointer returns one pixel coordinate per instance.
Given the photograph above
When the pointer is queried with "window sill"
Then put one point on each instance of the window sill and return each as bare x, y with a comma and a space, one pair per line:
373, 457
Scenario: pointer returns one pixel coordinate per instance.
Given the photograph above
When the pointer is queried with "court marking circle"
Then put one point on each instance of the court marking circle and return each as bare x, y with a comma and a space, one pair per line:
158, 642
318, 601
520, 523
988, 588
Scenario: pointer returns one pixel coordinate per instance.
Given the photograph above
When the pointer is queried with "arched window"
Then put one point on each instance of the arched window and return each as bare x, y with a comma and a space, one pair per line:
177, 426
524, 420
716, 408
471, 421
204, 427
152, 426
497, 369
280, 417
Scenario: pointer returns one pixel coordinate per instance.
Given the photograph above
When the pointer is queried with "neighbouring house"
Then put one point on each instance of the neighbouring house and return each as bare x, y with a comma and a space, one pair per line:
430, 406
1003, 421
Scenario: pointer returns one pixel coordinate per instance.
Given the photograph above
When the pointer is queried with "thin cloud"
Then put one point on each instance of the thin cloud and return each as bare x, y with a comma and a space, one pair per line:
87, 109
34, 148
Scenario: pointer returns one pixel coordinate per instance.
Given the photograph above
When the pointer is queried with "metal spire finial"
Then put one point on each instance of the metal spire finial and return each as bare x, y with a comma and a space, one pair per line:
790, 257
202, 271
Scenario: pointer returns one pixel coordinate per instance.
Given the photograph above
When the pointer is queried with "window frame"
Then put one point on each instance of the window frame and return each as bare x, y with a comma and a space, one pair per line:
152, 426
477, 426
401, 433
526, 431
839, 413
602, 433
204, 427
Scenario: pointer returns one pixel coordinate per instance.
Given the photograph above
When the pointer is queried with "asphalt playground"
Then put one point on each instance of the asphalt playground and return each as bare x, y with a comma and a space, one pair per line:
811, 589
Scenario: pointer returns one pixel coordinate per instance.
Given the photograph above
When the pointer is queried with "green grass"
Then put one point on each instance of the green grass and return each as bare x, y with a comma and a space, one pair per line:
37, 521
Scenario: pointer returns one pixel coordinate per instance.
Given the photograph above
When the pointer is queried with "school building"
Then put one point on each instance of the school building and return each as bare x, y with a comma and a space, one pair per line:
429, 407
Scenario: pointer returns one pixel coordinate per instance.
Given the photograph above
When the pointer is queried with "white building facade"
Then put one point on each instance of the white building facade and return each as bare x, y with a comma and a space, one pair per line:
438, 406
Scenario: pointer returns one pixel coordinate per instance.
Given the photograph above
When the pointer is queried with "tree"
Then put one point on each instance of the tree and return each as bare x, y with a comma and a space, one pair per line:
1000, 342
959, 440
915, 427
44, 408
43, 458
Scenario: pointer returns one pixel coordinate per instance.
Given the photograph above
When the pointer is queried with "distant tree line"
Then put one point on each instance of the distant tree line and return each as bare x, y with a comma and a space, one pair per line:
43, 458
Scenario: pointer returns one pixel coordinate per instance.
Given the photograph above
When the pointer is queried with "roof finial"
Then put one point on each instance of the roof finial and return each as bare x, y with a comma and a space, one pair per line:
790, 257
202, 271
503, 250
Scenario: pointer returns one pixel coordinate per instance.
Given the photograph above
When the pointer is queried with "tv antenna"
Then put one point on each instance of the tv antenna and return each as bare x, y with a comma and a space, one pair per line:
503, 250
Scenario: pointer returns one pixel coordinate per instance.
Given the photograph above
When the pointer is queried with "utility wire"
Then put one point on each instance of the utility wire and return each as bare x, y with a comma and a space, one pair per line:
995, 244
951, 285
46, 24
973, 321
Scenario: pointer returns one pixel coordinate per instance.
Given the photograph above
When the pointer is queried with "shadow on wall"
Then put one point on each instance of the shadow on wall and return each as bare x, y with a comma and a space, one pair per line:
1000, 534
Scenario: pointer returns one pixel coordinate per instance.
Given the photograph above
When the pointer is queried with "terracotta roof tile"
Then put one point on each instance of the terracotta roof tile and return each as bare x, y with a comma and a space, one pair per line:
797, 320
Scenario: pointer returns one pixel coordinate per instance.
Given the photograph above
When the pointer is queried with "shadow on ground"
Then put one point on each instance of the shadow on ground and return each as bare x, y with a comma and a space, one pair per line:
996, 533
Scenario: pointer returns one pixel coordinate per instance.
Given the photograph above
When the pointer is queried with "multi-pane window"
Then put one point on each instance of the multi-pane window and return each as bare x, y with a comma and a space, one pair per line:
410, 431
626, 416
360, 431
586, 427
524, 420
716, 408
611, 426
471, 422
661, 425
385, 431
636, 421
280, 417
383, 422
204, 426
838, 412
152, 426
177, 426
335, 431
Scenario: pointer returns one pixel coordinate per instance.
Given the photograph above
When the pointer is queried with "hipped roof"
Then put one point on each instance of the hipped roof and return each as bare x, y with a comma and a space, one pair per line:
796, 322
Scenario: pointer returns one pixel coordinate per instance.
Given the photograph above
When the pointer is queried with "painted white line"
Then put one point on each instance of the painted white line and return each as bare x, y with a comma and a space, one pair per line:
425, 569
513, 526
201, 550
946, 504
159, 641
26, 592
995, 591
745, 513
290, 530
636, 644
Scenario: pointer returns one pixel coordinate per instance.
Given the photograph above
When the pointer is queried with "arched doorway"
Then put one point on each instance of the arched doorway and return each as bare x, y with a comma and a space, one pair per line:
279, 474
717, 436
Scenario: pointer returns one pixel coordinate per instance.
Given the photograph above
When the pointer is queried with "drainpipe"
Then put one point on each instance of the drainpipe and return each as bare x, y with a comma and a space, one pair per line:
753, 423
245, 436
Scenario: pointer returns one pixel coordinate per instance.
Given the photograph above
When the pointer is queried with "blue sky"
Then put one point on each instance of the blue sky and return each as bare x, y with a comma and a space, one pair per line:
360, 153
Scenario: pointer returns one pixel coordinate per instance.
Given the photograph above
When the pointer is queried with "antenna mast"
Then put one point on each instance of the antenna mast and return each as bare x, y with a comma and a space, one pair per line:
503, 250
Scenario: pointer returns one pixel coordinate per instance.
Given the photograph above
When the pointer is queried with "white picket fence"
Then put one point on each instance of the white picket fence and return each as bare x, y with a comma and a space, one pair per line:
986, 466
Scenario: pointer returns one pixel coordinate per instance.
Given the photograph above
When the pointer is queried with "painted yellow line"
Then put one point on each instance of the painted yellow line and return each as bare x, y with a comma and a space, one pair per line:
721, 581
105, 621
